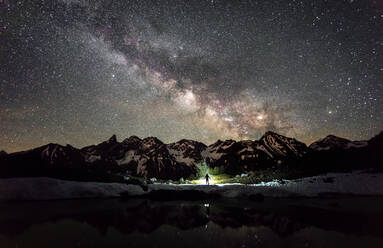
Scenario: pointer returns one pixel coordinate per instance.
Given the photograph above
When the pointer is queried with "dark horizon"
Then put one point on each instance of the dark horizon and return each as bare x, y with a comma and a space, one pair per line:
207, 144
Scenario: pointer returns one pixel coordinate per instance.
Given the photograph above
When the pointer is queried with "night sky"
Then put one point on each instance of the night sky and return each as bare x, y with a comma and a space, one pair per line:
78, 71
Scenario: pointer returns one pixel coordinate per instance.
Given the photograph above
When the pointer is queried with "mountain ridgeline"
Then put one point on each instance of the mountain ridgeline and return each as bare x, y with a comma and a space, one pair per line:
151, 158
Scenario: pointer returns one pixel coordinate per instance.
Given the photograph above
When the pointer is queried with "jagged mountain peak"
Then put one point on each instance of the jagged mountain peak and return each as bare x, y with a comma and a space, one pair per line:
58, 154
104, 149
132, 139
150, 142
332, 142
217, 143
272, 138
184, 141
51, 147
70, 147
281, 146
112, 139
222, 144
150, 157
186, 151
187, 143
271, 133
247, 142
152, 139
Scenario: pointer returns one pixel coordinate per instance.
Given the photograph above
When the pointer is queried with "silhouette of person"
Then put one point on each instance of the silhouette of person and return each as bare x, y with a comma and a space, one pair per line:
207, 179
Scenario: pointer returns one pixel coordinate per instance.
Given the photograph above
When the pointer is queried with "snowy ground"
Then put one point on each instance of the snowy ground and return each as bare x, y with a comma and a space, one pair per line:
357, 183
52, 189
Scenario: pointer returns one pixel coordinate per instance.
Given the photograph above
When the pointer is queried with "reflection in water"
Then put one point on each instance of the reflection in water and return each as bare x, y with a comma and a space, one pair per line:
351, 222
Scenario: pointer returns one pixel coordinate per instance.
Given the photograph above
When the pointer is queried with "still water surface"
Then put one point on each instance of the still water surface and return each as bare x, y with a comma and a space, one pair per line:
341, 222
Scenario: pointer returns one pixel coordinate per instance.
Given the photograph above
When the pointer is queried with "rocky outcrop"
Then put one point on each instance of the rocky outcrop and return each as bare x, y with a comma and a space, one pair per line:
236, 157
153, 159
148, 157
244, 156
187, 152
102, 151
281, 147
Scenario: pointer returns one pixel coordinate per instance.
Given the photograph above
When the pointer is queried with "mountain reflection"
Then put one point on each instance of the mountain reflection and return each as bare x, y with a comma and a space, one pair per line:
283, 217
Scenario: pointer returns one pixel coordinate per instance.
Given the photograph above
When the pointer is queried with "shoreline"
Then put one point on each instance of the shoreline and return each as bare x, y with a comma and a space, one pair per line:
327, 185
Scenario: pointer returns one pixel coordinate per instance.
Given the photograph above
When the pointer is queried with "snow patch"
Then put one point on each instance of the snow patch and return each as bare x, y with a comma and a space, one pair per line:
357, 183
93, 158
54, 189
179, 157
129, 156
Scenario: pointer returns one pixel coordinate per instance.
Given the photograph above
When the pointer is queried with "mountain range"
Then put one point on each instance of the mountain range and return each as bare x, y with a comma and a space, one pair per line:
151, 158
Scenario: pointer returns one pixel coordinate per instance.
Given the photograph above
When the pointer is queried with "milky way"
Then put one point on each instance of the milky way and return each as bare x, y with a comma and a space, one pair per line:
77, 71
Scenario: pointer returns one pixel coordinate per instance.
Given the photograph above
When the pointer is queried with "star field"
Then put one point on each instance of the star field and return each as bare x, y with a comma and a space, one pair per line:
77, 71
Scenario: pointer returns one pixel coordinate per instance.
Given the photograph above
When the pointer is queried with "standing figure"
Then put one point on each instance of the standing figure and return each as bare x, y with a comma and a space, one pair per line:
207, 178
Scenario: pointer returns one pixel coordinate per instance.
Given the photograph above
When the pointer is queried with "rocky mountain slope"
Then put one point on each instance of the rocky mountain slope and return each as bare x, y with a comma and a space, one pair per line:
243, 156
332, 142
42, 161
150, 157
186, 151
333, 153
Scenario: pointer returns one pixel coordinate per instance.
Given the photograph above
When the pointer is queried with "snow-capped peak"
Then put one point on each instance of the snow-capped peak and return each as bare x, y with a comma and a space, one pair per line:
132, 139
53, 152
150, 141
279, 145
